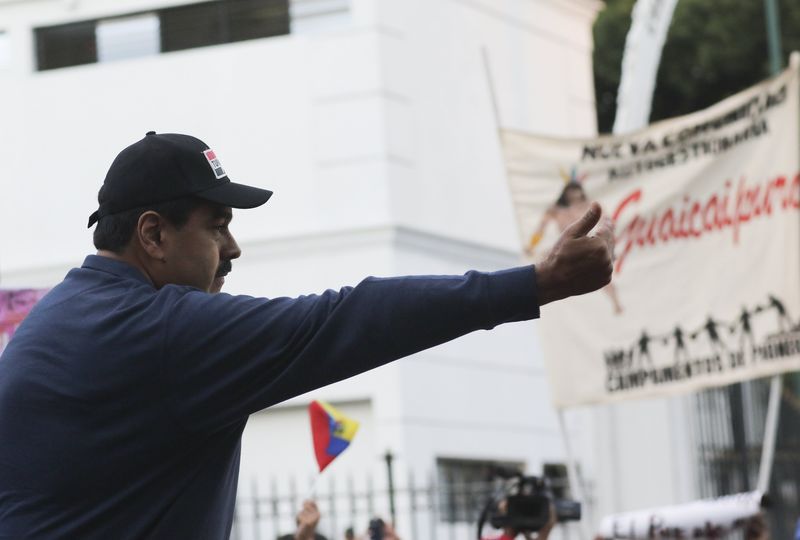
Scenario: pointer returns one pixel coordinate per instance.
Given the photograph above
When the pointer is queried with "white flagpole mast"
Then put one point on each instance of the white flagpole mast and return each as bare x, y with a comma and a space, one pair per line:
312, 490
776, 384
770, 433
572, 473
572, 470
490, 83
496, 112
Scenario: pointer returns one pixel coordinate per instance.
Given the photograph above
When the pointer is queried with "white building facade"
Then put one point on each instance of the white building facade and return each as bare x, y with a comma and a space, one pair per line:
372, 121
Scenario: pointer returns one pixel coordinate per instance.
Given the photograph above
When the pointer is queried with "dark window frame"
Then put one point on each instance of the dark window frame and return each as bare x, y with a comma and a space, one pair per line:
465, 484
56, 48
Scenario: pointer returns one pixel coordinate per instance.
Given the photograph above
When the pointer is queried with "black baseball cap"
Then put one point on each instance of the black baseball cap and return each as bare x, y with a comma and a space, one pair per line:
168, 166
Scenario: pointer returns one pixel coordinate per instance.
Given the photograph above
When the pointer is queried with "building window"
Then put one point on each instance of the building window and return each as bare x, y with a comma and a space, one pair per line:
195, 25
255, 19
128, 37
5, 50
168, 29
212, 23
66, 45
466, 484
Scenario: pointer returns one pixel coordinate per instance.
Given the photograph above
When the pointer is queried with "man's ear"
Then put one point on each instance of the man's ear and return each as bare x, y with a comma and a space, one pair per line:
150, 234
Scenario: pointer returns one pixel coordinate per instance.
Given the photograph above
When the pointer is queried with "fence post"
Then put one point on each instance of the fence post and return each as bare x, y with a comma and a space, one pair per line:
332, 499
452, 507
256, 512
275, 512
370, 497
412, 495
351, 495
235, 528
390, 478
293, 492
433, 501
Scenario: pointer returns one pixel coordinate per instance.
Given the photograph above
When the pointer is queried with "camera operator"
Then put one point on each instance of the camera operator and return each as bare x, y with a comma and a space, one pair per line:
509, 533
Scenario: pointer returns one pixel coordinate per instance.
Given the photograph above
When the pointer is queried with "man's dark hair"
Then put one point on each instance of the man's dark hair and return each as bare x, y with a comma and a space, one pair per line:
113, 232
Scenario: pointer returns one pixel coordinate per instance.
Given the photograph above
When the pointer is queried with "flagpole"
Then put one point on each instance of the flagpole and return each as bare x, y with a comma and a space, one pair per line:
572, 473
312, 490
776, 383
770, 434
773, 35
490, 83
496, 115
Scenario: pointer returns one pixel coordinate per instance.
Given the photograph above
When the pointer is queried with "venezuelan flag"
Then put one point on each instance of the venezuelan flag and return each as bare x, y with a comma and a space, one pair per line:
331, 430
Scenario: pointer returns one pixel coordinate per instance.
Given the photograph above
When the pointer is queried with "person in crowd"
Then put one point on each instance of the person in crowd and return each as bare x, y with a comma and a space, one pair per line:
307, 521
380, 530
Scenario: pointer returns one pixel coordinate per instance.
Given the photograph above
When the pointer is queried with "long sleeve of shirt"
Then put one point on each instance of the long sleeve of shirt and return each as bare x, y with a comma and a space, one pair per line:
228, 356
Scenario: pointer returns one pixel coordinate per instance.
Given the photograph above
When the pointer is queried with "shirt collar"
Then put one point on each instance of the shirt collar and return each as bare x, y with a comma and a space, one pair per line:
115, 267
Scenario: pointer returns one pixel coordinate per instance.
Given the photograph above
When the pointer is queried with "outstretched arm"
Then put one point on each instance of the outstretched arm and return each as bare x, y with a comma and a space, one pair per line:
229, 356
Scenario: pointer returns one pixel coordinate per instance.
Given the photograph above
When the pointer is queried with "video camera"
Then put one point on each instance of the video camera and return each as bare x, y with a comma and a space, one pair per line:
523, 504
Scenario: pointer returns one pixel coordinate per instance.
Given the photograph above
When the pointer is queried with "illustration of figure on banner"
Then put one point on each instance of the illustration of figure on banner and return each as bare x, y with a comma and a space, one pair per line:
571, 204
753, 335
644, 349
680, 345
746, 334
780, 309
710, 327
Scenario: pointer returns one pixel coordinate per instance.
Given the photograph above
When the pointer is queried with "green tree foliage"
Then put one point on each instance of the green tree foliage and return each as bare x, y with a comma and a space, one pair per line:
714, 48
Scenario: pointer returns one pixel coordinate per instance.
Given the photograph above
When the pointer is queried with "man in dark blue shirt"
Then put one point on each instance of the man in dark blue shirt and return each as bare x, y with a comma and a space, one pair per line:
124, 393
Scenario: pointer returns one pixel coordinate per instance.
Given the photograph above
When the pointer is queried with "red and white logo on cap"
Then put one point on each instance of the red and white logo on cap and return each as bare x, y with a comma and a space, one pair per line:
216, 166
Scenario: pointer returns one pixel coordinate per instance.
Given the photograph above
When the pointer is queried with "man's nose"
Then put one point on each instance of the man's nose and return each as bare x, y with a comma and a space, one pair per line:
232, 250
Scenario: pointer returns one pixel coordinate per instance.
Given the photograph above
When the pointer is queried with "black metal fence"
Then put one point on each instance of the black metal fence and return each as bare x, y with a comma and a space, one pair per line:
423, 509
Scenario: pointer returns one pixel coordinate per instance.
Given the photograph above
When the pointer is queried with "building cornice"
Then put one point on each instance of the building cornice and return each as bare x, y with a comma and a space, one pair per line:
397, 236
470, 254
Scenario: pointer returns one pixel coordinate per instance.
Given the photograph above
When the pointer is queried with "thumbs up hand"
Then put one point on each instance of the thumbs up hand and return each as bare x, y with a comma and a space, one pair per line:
578, 263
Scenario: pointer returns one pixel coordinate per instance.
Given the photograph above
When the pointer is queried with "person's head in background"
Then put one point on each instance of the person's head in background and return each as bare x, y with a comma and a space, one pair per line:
380, 530
572, 193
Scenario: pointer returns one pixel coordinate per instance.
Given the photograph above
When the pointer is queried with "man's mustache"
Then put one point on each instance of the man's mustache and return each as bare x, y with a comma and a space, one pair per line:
224, 268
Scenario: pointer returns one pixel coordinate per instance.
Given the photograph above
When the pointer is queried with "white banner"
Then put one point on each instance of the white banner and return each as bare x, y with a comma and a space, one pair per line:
706, 288
650, 21
710, 518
